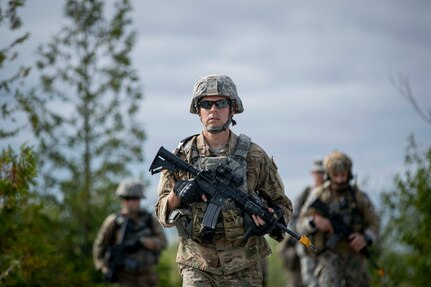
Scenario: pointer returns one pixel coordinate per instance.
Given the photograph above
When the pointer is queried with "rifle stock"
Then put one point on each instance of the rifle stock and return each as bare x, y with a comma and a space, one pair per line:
219, 188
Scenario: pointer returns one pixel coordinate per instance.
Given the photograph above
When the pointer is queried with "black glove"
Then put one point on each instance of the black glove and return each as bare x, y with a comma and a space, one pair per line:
251, 229
132, 245
188, 191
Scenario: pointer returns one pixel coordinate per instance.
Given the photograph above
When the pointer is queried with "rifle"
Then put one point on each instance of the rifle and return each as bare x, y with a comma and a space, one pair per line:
341, 230
221, 187
116, 256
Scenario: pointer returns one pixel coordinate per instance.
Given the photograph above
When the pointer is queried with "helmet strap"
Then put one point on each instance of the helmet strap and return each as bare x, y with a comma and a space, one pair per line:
216, 130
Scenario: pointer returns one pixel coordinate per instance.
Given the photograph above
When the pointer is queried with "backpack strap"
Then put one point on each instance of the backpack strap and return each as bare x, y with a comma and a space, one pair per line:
119, 221
242, 146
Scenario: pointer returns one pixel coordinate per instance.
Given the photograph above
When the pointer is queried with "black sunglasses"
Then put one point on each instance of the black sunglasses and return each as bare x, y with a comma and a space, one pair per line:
220, 104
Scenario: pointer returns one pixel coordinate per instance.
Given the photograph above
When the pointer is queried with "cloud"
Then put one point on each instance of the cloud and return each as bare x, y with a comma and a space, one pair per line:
313, 76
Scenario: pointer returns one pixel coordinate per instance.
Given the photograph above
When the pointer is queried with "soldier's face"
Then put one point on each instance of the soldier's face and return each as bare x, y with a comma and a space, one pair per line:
131, 204
340, 177
318, 177
214, 117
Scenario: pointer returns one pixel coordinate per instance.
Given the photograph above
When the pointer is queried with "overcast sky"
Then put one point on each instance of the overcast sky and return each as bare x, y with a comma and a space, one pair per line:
314, 76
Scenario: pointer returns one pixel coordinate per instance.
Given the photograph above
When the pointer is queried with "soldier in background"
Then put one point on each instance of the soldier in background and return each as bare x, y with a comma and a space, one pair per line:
129, 243
299, 265
339, 262
220, 257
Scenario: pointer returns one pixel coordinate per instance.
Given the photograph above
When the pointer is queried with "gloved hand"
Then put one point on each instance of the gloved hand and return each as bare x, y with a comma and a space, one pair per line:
251, 229
132, 245
188, 191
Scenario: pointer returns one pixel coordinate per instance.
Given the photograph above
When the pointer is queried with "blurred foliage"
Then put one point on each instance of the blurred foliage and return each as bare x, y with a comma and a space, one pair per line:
276, 276
83, 113
26, 247
167, 269
407, 245
10, 92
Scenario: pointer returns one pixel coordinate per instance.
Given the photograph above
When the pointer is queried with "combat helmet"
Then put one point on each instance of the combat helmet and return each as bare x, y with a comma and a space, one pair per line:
130, 188
216, 85
337, 162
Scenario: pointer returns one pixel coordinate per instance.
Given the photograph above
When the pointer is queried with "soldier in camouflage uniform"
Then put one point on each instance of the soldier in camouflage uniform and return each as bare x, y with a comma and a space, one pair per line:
225, 258
299, 264
143, 241
340, 264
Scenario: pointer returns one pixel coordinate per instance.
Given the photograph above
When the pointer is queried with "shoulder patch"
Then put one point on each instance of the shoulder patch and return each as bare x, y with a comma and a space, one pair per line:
119, 219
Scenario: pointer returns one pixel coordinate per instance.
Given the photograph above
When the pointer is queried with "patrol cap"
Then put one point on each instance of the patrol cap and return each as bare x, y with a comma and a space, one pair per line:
216, 85
317, 166
130, 188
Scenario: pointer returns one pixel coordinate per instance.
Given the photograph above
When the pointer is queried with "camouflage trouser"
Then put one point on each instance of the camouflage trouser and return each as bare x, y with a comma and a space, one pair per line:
249, 277
342, 270
294, 278
144, 278
308, 265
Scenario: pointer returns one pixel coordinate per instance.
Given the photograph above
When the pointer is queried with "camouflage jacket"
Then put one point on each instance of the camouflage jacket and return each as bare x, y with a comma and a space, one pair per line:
226, 255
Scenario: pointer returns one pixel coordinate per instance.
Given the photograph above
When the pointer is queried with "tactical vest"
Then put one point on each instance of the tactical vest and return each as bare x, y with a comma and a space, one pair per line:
139, 228
230, 221
349, 209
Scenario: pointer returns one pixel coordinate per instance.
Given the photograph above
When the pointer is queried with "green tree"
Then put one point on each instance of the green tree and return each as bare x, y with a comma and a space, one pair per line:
22, 253
167, 268
10, 93
407, 209
84, 118
16, 175
28, 251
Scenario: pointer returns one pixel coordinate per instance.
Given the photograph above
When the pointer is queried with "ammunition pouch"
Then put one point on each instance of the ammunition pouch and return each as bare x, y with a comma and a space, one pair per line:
181, 220
230, 223
233, 223
198, 232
